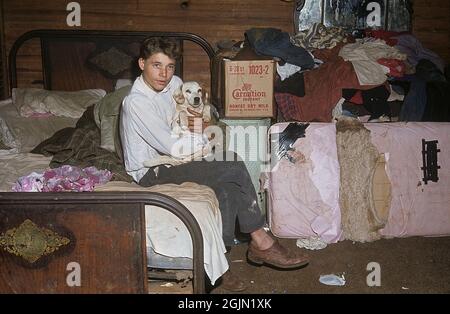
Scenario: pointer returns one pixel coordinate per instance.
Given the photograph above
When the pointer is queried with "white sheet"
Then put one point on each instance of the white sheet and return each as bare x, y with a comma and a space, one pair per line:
168, 236
15, 165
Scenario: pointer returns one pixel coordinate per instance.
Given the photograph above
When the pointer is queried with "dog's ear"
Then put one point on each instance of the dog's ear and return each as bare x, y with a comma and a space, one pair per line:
178, 95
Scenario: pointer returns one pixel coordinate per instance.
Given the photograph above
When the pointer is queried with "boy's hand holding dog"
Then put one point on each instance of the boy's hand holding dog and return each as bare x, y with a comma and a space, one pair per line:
194, 122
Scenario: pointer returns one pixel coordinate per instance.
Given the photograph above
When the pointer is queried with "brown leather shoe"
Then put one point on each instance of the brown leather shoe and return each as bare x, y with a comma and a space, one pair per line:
231, 283
277, 256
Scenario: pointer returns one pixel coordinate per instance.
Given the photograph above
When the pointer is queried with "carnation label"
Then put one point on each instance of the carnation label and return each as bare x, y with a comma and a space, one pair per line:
249, 88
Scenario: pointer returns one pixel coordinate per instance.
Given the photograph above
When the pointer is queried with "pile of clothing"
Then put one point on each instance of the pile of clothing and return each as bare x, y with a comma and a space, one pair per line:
382, 75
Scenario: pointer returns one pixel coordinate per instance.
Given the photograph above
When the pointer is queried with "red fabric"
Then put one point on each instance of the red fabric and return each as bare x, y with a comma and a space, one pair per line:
289, 106
396, 67
357, 98
323, 88
385, 35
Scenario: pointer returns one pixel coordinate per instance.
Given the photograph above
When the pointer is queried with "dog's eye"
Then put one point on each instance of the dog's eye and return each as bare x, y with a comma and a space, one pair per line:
199, 91
188, 91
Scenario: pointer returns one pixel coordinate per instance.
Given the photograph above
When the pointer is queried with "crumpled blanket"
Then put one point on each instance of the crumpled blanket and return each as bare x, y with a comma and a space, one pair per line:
63, 179
80, 146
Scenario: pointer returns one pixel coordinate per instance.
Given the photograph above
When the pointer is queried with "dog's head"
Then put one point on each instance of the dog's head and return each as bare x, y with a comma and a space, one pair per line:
189, 92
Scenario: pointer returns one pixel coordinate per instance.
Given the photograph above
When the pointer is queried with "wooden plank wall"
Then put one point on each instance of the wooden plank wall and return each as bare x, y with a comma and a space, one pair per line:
431, 25
3, 80
214, 20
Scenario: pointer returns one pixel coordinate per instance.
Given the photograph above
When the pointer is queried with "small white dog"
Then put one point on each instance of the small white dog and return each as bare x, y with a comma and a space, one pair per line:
189, 95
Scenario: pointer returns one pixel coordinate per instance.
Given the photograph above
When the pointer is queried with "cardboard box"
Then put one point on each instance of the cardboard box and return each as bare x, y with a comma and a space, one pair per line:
248, 89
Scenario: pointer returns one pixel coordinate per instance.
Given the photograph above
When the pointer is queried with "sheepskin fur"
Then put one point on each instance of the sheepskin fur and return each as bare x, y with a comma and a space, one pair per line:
358, 159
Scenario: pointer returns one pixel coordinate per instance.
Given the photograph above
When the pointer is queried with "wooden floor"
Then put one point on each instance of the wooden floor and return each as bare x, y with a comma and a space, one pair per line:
406, 265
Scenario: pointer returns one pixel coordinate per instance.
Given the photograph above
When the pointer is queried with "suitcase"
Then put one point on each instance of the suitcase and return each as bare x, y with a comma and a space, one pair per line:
407, 191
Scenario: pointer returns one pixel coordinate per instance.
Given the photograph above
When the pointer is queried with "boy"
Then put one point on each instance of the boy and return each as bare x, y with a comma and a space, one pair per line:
146, 134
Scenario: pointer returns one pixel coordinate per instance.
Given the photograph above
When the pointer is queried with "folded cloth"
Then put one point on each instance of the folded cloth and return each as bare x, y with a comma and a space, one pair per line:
274, 42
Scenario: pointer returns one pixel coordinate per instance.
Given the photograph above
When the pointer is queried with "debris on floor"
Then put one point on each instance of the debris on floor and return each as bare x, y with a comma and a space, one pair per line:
332, 280
167, 284
311, 243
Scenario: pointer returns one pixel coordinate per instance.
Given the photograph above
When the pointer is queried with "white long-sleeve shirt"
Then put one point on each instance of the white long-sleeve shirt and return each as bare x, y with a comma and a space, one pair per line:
145, 127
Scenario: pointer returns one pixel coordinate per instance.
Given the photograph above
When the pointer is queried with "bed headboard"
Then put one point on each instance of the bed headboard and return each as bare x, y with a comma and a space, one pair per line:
84, 59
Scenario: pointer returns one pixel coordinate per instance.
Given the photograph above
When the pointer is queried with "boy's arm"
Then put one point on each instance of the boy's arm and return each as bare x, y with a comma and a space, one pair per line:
154, 130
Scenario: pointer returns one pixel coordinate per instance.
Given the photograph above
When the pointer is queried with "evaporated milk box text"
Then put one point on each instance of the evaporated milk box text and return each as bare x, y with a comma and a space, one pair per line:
249, 88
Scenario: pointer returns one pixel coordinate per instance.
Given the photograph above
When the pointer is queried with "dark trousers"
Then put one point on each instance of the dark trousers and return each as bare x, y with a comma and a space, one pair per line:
231, 183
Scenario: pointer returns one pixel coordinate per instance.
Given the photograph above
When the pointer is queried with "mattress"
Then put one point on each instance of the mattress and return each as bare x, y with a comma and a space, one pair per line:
307, 195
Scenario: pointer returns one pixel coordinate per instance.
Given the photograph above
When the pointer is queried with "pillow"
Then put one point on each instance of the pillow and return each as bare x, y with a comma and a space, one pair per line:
106, 115
33, 101
26, 133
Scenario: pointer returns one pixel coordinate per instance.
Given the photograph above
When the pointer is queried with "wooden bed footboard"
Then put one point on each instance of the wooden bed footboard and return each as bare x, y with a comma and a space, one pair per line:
83, 242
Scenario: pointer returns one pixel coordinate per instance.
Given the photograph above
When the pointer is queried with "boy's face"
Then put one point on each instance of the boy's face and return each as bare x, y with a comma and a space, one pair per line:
157, 70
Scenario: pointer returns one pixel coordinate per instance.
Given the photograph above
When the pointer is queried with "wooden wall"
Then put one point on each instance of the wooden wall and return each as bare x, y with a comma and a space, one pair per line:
215, 20
431, 24
3, 80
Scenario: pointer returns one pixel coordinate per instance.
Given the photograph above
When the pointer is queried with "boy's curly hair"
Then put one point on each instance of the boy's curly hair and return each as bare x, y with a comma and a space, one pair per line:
167, 46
